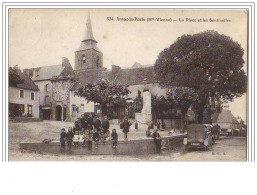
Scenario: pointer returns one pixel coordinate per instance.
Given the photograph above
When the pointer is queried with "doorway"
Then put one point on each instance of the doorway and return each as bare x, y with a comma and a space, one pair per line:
46, 114
58, 113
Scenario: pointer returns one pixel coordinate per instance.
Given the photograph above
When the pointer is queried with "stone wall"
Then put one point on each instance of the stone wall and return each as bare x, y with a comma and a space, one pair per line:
14, 97
91, 59
61, 95
131, 147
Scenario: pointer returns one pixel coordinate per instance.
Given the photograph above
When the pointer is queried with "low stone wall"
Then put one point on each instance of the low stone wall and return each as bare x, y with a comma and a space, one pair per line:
130, 147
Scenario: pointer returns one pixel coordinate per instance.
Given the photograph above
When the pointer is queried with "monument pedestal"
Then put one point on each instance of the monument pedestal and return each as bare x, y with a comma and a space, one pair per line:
143, 120
145, 117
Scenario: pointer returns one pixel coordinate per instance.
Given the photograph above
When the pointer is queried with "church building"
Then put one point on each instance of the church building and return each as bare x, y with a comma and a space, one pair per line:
59, 83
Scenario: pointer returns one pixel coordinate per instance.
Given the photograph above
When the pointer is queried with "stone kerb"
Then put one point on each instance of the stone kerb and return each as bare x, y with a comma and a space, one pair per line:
131, 147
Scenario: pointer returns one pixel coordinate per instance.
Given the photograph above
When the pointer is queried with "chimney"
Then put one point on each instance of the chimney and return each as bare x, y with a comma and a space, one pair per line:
26, 72
65, 61
115, 69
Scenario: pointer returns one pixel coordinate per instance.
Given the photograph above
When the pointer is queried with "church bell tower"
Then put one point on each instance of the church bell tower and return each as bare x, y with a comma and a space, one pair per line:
88, 56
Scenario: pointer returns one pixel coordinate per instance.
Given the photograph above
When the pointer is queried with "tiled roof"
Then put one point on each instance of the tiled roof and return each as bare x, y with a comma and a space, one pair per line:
47, 72
136, 76
88, 45
90, 76
224, 117
132, 76
28, 83
215, 117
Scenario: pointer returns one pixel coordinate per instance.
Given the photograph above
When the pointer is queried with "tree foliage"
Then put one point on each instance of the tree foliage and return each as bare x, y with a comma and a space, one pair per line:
160, 105
207, 62
105, 93
183, 97
14, 77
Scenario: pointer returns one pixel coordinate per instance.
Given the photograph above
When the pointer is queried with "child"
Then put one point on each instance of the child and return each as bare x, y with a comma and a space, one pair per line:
96, 138
107, 135
148, 132
136, 125
81, 138
76, 138
102, 136
88, 139
114, 138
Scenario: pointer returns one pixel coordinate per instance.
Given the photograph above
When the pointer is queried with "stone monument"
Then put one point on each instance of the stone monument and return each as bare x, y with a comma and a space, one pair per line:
145, 117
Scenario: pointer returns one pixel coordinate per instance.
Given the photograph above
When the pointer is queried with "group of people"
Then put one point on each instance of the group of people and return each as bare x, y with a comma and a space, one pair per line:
87, 130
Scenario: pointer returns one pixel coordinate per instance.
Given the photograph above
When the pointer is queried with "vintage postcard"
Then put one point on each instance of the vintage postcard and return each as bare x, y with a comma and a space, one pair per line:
127, 84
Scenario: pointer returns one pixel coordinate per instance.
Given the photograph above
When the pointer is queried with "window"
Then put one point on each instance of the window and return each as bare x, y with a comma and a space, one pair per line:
21, 93
83, 59
98, 62
47, 87
73, 110
32, 96
47, 100
82, 108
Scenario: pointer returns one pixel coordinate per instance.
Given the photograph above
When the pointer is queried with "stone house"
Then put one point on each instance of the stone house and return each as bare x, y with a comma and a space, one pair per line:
225, 119
24, 98
52, 82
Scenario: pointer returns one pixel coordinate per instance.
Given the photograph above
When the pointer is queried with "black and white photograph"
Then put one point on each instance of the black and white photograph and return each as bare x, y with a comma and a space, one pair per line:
128, 98
127, 85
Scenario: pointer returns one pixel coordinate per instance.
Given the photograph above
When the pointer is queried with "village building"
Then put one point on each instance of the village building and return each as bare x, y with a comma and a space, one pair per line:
54, 85
58, 84
24, 98
226, 120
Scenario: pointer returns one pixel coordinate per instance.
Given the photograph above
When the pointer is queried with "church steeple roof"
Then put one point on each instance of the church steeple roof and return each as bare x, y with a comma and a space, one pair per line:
89, 32
89, 41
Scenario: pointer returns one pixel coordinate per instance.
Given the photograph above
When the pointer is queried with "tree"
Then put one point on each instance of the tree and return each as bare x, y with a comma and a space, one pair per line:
14, 77
107, 94
183, 97
159, 106
207, 62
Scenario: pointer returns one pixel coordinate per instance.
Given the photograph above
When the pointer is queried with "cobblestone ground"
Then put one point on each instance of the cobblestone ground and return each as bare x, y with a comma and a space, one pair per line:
225, 149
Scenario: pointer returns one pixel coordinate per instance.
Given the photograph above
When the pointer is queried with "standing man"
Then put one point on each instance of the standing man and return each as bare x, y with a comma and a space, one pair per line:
63, 137
83, 122
97, 124
70, 135
90, 123
158, 125
126, 125
76, 126
157, 141
106, 126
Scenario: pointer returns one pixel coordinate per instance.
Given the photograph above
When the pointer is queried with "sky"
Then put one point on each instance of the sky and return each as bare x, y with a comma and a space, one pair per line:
41, 37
